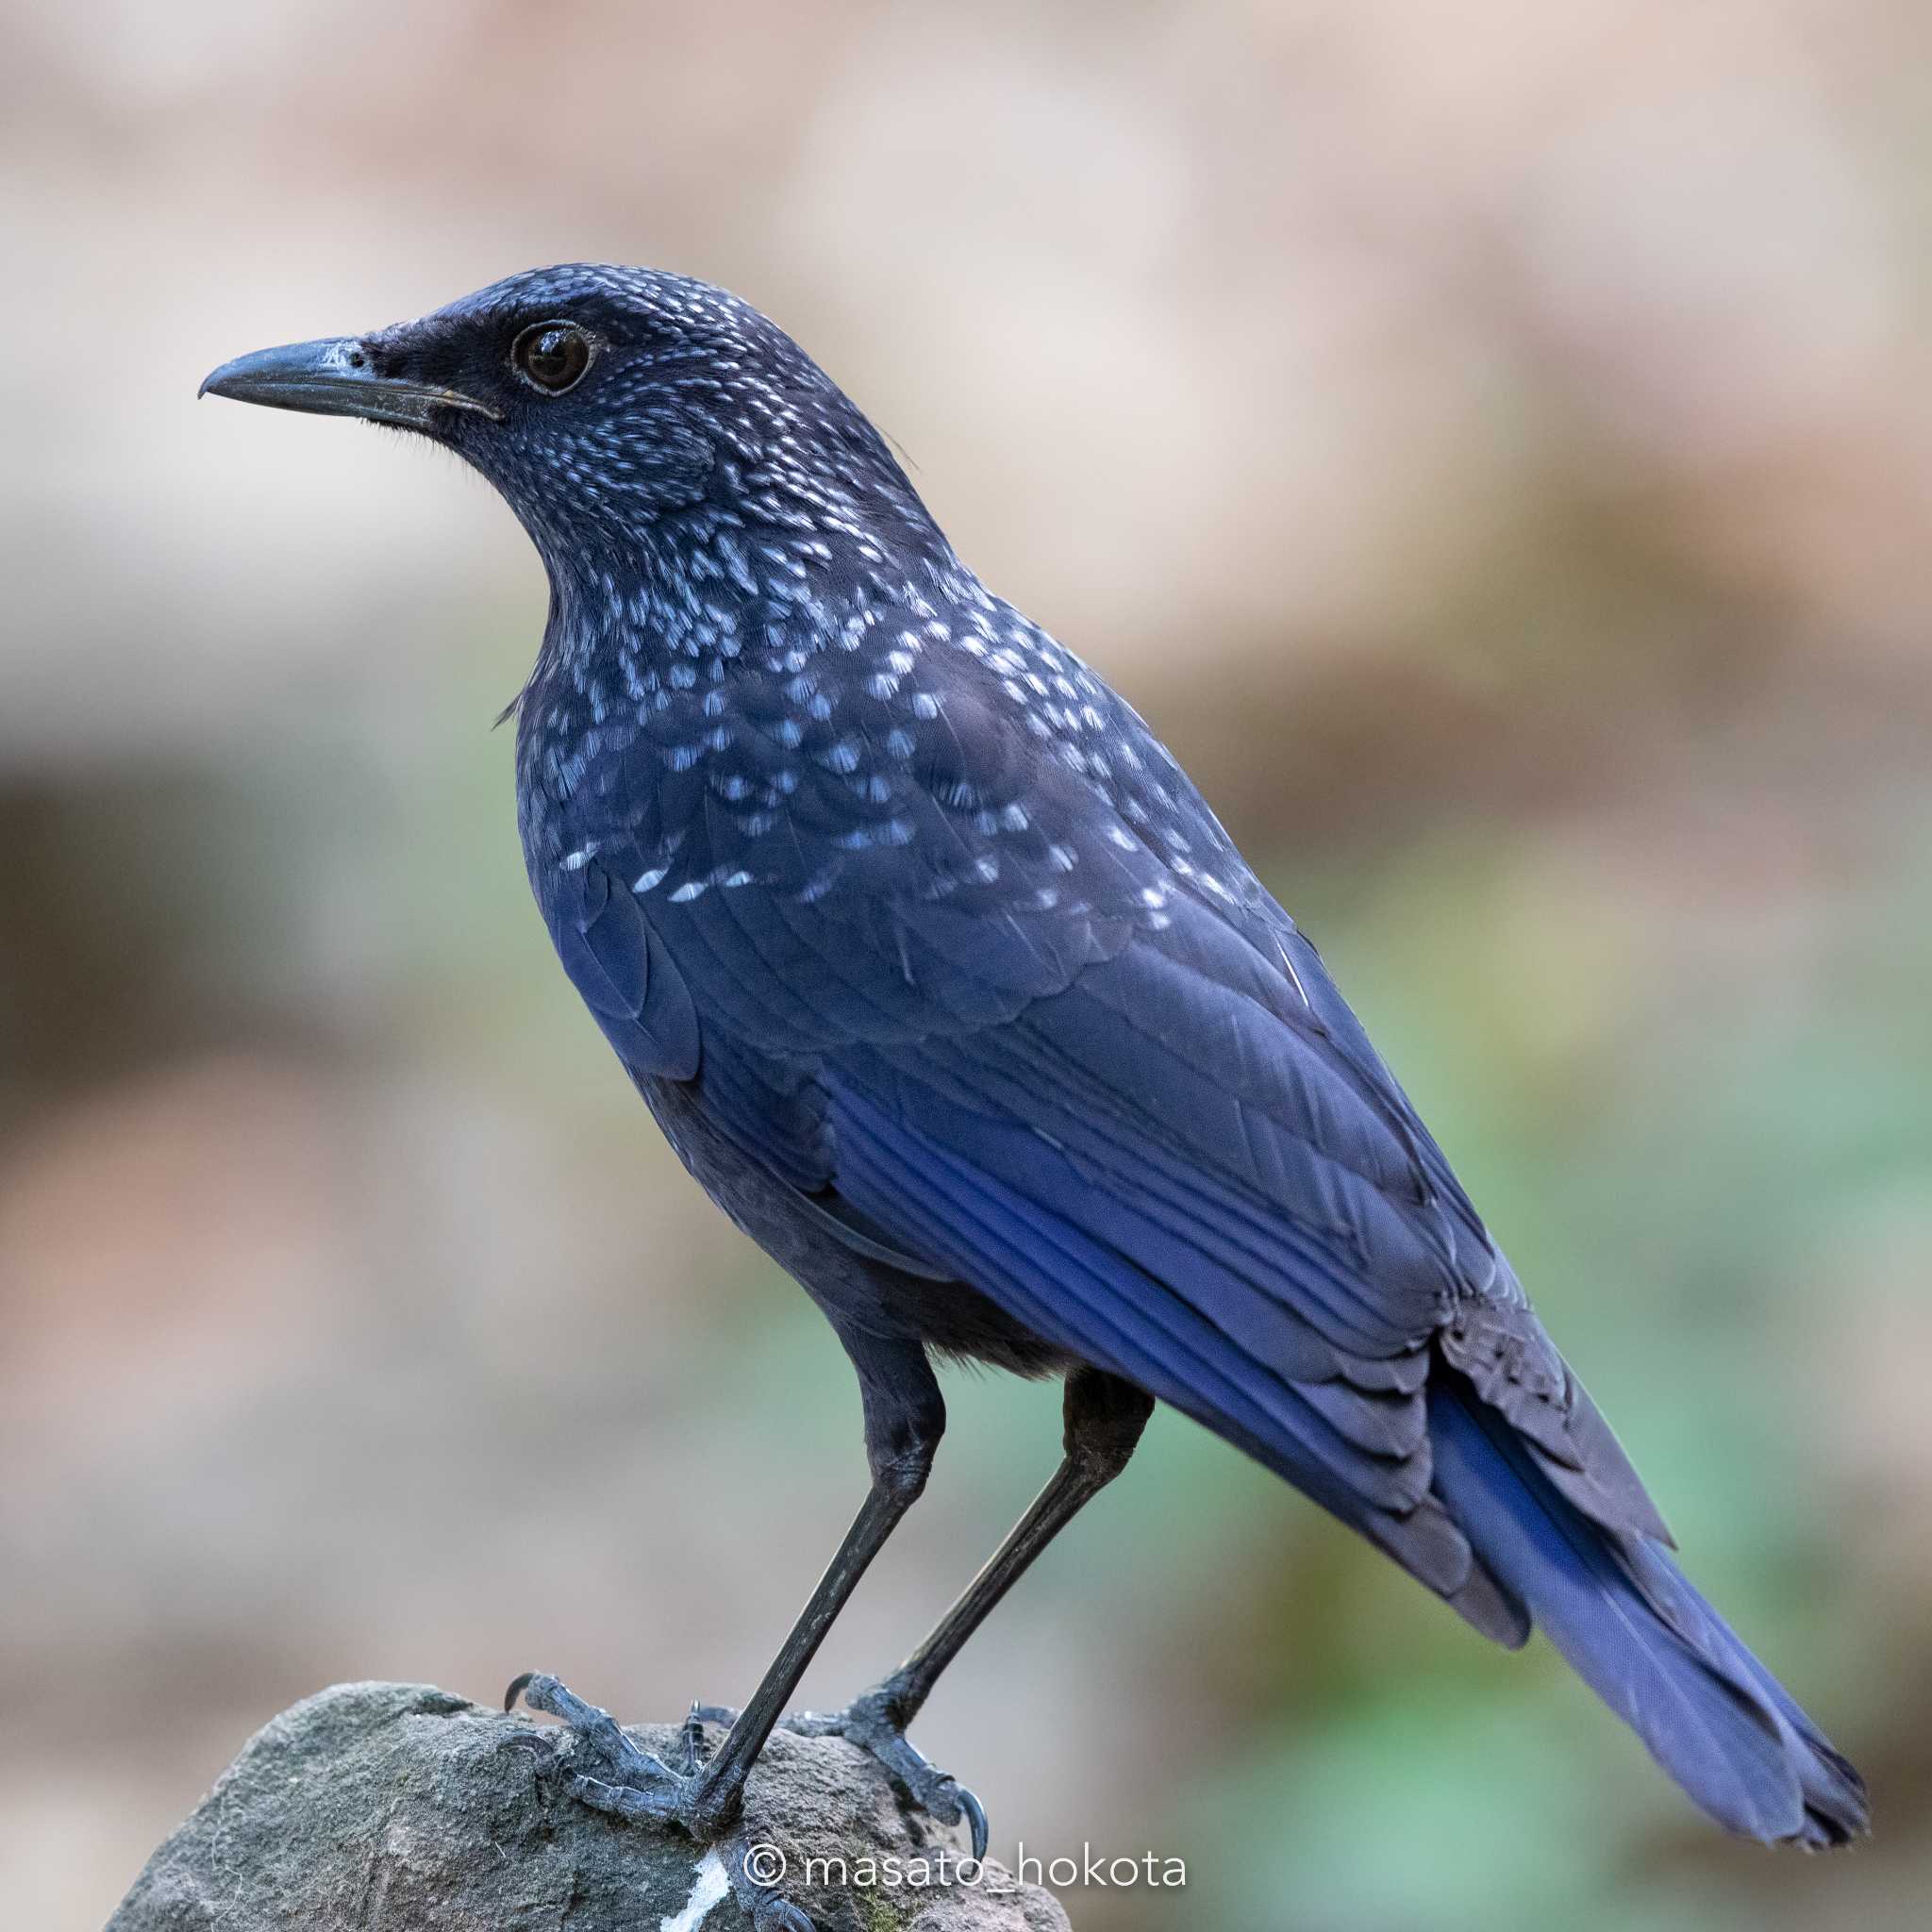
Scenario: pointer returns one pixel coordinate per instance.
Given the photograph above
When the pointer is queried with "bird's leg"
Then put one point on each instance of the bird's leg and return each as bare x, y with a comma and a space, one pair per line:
904, 1419
1103, 1418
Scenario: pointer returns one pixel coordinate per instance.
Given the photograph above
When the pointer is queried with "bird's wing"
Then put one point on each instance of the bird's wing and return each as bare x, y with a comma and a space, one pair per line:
1030, 1021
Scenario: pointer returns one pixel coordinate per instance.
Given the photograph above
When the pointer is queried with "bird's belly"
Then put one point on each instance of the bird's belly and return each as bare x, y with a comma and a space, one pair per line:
950, 1316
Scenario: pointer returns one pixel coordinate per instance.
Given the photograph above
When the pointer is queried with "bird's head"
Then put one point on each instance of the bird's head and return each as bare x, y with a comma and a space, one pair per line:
603, 402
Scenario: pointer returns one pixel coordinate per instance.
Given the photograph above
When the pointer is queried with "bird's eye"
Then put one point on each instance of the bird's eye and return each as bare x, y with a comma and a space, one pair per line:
551, 356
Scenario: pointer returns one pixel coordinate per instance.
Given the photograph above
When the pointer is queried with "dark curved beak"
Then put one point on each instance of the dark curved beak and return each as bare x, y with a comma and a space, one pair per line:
335, 377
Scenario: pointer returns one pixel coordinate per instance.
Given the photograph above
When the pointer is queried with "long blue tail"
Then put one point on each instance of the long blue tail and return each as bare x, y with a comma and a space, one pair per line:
1621, 1612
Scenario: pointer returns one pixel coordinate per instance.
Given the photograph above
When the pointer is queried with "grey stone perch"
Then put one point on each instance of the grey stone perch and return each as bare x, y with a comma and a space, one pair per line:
395, 1807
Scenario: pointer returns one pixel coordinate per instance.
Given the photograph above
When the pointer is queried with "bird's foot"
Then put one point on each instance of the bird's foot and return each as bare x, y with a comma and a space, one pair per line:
874, 1723
605, 1770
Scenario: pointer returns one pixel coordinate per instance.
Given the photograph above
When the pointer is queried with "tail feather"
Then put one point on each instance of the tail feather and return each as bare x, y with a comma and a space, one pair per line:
1630, 1625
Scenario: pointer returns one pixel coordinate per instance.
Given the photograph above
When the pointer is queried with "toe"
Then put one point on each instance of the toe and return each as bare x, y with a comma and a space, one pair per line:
632, 1802
599, 1744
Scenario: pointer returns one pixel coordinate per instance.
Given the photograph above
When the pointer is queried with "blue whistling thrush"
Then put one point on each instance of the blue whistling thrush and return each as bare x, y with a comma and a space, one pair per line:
946, 983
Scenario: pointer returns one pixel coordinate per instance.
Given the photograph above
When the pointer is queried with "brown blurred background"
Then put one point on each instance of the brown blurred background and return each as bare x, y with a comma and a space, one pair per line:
1494, 445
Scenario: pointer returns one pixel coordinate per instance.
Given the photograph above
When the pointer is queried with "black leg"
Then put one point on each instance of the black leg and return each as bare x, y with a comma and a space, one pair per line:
905, 1417
1105, 1417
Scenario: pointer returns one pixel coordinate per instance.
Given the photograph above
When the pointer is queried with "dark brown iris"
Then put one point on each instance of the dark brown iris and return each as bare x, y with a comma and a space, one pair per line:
552, 355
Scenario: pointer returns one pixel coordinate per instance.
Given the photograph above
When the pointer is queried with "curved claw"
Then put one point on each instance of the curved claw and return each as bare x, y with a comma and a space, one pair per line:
540, 1691
768, 1909
780, 1915
975, 1820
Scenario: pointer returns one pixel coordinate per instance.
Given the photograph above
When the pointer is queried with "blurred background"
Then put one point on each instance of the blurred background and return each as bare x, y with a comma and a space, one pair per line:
1492, 443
